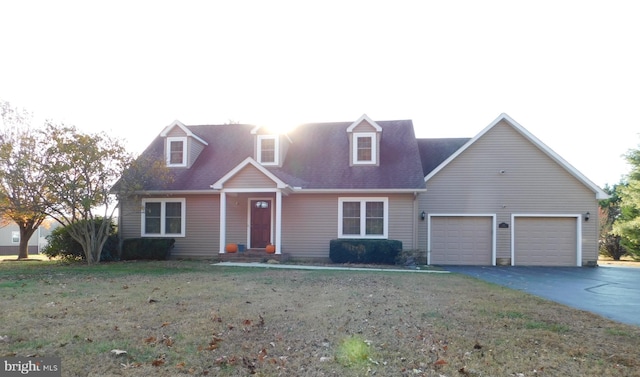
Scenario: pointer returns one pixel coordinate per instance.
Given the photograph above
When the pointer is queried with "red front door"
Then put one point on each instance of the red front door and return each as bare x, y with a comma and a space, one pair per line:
260, 223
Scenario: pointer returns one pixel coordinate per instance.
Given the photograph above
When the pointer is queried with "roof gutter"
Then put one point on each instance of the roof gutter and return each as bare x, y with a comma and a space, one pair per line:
299, 190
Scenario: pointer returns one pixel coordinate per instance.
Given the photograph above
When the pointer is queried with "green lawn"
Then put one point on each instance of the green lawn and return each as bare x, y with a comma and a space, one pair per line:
190, 318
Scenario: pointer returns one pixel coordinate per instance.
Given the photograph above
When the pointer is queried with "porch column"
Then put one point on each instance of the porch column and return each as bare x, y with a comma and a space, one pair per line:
278, 222
223, 221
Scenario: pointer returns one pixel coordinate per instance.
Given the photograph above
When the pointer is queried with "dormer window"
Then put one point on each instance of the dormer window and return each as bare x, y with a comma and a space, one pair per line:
268, 149
176, 151
364, 138
364, 148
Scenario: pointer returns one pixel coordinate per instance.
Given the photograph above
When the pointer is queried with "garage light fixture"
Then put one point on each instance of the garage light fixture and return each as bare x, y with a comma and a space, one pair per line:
586, 216
423, 216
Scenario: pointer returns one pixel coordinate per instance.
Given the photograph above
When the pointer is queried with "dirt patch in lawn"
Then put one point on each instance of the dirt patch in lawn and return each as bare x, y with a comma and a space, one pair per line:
188, 318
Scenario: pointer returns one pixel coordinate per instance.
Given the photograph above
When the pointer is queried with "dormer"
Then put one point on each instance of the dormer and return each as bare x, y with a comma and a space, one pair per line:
364, 142
181, 146
270, 148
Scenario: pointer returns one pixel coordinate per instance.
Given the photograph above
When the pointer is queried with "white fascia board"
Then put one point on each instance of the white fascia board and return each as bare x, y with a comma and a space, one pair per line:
298, 190
248, 161
177, 123
175, 192
364, 117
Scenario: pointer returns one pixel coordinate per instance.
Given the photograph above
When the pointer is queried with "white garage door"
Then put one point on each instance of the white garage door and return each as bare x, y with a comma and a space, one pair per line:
545, 241
461, 240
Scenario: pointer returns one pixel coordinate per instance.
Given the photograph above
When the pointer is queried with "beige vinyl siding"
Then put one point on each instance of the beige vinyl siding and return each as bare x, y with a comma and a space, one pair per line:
531, 183
310, 221
202, 225
249, 177
176, 132
203, 228
194, 150
283, 148
130, 218
364, 126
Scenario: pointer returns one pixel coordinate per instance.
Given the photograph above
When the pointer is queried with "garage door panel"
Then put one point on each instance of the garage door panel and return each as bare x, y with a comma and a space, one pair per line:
461, 240
545, 241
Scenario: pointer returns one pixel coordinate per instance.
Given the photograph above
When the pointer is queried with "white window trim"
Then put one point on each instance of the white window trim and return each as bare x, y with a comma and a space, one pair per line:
15, 236
363, 217
163, 202
184, 151
276, 152
374, 148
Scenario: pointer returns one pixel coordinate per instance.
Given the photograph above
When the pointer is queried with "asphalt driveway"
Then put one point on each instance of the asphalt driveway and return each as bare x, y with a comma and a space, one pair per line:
612, 292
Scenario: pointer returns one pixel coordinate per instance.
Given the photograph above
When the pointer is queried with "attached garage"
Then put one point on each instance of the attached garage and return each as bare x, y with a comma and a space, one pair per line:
546, 240
461, 240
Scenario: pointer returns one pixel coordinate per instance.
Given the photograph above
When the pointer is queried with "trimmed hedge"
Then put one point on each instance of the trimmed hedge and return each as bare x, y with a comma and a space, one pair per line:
147, 248
364, 251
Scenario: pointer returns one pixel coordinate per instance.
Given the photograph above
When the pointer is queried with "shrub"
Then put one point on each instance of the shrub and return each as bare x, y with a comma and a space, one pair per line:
364, 251
60, 244
408, 257
147, 248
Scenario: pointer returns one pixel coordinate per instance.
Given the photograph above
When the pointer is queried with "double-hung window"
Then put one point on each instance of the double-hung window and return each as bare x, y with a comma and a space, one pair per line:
364, 148
176, 151
268, 149
163, 217
15, 236
363, 217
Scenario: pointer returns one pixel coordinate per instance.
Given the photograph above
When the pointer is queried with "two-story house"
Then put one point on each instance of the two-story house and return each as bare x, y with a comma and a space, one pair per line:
490, 199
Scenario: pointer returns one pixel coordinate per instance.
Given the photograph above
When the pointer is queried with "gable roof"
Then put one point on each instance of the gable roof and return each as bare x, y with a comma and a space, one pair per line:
365, 118
316, 159
600, 194
185, 129
249, 161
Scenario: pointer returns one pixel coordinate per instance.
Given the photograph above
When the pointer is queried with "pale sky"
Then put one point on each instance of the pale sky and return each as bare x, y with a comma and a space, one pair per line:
568, 71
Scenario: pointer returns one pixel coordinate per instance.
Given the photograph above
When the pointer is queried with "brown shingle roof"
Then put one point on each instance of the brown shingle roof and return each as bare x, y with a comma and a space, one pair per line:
433, 152
318, 158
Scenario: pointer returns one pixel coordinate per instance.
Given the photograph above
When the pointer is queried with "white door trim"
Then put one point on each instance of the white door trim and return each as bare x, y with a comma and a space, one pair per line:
265, 199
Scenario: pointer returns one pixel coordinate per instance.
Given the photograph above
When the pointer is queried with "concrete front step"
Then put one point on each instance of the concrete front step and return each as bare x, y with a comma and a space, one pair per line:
251, 255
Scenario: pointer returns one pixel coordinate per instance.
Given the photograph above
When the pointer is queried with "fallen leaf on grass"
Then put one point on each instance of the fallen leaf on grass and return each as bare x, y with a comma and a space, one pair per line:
151, 339
151, 300
440, 362
167, 341
157, 362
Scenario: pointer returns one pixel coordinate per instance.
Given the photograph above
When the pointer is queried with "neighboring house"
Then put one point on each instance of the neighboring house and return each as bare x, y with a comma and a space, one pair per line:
366, 179
10, 239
